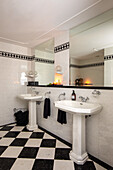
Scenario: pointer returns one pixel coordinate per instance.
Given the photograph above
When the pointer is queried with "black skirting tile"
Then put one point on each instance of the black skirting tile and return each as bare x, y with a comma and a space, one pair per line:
6, 128
2, 149
19, 142
6, 163
61, 153
42, 164
89, 165
38, 135
12, 134
48, 143
29, 152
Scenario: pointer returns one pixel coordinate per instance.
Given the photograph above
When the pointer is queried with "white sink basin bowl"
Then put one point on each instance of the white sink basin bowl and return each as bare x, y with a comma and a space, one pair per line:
30, 97
77, 107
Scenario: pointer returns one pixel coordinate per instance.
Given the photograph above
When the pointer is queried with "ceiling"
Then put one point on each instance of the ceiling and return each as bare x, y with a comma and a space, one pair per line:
92, 36
31, 22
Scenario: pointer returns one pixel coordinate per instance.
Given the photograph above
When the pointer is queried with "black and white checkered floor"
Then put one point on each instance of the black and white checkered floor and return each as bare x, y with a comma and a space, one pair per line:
37, 150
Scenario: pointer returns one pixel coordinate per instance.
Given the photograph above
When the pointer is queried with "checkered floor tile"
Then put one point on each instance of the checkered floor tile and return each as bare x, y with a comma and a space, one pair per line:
36, 150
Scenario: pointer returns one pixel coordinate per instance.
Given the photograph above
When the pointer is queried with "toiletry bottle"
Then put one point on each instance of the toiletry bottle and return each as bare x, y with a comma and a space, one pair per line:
73, 96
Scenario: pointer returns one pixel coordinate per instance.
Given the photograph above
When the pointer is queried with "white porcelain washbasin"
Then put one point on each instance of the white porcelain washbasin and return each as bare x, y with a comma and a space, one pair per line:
33, 97
78, 107
78, 154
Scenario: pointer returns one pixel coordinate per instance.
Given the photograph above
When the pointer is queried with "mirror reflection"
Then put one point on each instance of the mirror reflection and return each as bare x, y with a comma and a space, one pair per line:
91, 50
44, 62
91, 54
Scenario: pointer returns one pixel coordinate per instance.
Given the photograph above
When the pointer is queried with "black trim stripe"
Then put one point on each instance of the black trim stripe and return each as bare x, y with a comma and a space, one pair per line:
25, 57
109, 57
61, 47
8, 124
62, 140
77, 87
103, 164
87, 65
16, 56
42, 60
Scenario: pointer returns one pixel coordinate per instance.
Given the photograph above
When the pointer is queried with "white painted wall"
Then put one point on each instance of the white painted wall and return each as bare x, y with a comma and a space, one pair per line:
62, 57
99, 131
108, 51
108, 68
15, 48
45, 70
10, 87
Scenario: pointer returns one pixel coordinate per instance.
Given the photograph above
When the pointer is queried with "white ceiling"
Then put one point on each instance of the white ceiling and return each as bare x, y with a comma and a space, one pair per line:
30, 22
96, 34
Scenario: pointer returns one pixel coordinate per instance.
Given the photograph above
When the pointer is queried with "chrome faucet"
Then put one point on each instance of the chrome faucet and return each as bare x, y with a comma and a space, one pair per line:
33, 91
62, 94
83, 99
96, 92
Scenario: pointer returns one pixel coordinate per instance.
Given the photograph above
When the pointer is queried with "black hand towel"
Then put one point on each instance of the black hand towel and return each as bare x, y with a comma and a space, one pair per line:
46, 108
61, 117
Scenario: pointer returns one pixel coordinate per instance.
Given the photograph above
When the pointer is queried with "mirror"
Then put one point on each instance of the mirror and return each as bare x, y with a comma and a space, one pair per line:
91, 54
44, 62
91, 51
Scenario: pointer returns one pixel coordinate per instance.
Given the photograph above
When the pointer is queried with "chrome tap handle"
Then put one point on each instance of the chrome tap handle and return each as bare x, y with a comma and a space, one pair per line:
83, 99
62, 94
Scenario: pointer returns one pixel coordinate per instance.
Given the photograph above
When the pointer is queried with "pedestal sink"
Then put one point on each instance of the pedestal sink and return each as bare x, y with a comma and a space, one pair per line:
79, 110
32, 98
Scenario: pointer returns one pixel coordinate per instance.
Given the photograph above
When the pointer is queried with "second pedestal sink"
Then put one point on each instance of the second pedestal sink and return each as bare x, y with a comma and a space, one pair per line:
79, 110
31, 98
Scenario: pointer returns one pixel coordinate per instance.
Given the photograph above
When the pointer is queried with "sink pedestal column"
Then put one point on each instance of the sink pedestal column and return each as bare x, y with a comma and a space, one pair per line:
78, 153
32, 116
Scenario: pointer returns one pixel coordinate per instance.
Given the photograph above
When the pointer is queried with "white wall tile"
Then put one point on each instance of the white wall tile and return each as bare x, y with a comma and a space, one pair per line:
10, 87
99, 127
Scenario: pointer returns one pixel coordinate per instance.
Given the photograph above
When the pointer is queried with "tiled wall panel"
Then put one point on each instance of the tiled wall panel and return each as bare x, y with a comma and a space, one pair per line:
99, 127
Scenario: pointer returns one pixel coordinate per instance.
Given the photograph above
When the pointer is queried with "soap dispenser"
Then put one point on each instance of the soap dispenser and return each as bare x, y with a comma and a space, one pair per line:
73, 96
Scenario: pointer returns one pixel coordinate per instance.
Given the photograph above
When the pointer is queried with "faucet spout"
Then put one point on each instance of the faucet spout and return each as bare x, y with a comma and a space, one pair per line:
62, 94
83, 99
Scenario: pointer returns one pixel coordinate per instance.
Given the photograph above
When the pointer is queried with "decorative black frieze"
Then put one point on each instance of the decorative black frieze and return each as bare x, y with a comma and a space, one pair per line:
61, 47
109, 57
44, 60
87, 65
16, 56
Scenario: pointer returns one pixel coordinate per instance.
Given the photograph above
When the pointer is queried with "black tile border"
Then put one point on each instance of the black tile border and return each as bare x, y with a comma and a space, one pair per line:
16, 56
7, 124
24, 57
87, 65
42, 60
108, 57
60, 139
61, 47
101, 163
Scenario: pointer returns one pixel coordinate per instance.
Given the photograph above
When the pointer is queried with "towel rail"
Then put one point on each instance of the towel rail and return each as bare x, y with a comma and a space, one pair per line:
46, 93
